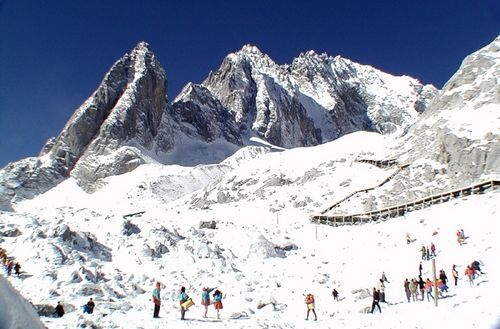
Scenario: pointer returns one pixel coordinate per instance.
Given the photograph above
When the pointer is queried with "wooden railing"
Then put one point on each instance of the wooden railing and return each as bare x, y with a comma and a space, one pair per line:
399, 210
378, 163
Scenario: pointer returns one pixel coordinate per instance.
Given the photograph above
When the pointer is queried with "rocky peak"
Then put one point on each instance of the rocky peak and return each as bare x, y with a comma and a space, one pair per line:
444, 133
124, 111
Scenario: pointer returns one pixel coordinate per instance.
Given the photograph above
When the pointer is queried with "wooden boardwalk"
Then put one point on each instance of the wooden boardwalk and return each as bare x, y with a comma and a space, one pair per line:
399, 210
379, 163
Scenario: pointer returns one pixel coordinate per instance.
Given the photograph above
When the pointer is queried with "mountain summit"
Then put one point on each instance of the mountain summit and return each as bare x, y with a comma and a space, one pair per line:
127, 122
314, 100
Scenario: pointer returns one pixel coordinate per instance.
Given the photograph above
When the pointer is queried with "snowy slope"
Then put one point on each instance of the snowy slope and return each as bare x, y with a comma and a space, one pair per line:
264, 250
143, 225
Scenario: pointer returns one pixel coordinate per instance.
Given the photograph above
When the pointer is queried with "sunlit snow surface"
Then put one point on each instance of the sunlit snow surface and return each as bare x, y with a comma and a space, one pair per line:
265, 200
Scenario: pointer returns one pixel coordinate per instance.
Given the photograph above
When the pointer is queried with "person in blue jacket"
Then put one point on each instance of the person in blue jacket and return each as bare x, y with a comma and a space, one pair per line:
183, 297
205, 299
157, 300
218, 302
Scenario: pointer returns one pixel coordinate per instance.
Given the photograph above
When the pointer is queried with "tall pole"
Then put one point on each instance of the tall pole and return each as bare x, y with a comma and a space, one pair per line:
434, 282
316, 227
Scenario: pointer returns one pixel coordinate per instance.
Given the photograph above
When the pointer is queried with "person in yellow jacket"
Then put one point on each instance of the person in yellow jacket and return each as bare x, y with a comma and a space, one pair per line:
310, 306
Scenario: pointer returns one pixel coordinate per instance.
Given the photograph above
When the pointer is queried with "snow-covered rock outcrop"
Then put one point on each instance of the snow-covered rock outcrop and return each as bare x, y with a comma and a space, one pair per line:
104, 135
455, 143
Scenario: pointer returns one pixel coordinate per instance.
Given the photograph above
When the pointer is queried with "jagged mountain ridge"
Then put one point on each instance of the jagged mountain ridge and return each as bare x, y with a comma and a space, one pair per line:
454, 144
315, 99
126, 109
127, 121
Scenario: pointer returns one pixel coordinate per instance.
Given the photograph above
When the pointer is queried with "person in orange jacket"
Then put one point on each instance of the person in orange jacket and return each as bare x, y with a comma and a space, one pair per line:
428, 289
470, 272
310, 306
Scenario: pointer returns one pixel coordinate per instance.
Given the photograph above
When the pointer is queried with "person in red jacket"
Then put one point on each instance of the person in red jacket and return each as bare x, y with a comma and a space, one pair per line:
470, 272
428, 289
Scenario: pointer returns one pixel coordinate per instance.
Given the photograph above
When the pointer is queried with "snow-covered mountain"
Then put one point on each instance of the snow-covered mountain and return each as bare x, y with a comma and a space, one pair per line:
102, 136
149, 224
127, 121
315, 99
455, 143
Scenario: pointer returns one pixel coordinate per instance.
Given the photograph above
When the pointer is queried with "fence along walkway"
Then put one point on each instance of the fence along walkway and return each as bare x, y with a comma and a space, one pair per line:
383, 164
399, 210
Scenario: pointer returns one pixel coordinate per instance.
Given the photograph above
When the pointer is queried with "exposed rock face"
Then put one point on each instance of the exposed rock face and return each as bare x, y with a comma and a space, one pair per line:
442, 151
131, 119
201, 115
471, 95
315, 99
102, 136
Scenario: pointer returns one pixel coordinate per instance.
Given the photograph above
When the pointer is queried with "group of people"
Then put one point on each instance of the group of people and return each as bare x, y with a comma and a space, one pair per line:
428, 252
87, 308
185, 302
415, 287
8, 263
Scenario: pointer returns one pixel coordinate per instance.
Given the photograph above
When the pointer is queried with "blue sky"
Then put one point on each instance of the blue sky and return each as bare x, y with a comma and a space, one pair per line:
53, 54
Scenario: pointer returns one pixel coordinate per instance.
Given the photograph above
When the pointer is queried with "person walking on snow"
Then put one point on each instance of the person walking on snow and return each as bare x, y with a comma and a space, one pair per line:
454, 272
335, 294
442, 286
424, 252
381, 290
310, 306
433, 250
218, 302
406, 285
413, 289
428, 289
443, 277
384, 278
183, 297
376, 299
420, 268
156, 300
205, 299
460, 237
476, 266
10, 266
470, 272
421, 286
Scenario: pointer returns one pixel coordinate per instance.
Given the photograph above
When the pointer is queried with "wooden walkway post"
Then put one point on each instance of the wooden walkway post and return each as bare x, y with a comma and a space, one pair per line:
435, 286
